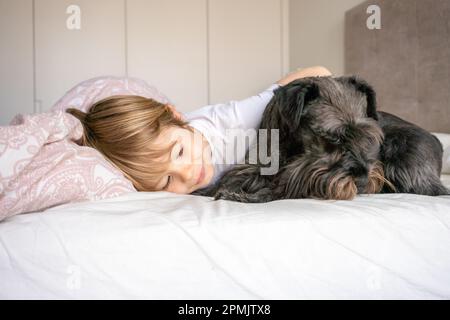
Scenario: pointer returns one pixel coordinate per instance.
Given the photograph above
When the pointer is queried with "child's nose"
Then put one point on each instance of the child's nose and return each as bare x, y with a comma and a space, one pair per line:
187, 172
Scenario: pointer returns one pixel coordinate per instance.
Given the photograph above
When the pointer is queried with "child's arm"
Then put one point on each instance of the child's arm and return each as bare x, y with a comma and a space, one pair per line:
317, 71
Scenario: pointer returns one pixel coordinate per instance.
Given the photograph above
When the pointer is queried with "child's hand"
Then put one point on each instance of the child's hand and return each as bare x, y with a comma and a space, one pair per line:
317, 71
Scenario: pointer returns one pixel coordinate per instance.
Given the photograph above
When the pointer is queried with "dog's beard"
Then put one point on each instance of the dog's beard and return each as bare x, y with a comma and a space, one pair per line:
377, 179
308, 178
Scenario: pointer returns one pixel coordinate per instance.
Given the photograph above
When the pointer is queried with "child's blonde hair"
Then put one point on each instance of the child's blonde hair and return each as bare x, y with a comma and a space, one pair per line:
123, 128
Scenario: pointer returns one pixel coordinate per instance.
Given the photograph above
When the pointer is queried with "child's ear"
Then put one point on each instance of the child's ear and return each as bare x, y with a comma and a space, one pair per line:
177, 114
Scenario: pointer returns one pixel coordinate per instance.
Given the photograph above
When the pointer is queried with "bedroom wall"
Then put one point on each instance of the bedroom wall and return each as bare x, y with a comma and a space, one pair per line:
197, 52
16, 58
317, 33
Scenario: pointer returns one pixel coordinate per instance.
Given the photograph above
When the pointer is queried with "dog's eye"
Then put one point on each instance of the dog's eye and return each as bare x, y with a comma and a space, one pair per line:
332, 139
327, 144
335, 140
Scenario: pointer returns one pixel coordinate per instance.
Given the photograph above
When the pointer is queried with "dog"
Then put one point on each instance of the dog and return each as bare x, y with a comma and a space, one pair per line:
334, 144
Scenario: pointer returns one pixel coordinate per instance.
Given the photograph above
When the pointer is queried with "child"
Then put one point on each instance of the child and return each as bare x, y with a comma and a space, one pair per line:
152, 143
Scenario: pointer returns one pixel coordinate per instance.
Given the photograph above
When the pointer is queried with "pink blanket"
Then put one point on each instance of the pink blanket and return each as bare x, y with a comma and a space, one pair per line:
41, 166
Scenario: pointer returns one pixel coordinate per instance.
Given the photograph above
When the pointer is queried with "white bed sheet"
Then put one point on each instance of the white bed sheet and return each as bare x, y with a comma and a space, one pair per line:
166, 246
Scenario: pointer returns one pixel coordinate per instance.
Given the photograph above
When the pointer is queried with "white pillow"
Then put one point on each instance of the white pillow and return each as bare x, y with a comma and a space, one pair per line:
445, 140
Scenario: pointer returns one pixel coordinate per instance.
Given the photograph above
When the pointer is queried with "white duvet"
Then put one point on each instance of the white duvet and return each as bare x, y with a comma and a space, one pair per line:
166, 246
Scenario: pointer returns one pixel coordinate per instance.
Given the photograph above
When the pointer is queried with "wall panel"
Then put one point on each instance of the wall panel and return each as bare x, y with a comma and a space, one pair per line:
65, 57
167, 48
16, 58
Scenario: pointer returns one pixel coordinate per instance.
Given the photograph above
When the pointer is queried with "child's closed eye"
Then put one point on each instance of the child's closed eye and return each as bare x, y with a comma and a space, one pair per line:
168, 183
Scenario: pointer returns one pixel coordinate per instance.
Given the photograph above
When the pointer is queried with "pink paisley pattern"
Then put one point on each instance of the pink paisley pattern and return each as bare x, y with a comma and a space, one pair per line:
40, 164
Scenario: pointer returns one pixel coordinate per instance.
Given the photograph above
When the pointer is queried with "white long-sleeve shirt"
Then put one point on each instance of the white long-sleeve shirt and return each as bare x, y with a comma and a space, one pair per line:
216, 122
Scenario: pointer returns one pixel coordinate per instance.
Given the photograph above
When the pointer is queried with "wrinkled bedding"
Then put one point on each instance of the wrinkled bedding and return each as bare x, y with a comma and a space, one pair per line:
165, 246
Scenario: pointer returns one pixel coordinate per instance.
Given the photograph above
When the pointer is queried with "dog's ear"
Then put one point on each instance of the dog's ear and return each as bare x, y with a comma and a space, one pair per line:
362, 86
292, 100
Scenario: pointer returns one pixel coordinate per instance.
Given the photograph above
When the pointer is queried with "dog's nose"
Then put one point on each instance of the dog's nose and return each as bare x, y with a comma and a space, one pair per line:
359, 170
360, 173
361, 183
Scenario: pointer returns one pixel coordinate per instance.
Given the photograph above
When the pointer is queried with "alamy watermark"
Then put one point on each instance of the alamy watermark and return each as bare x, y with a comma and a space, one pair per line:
73, 22
374, 20
235, 146
73, 281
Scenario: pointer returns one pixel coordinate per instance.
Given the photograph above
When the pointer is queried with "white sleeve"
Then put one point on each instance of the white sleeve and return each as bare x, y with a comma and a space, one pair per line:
243, 114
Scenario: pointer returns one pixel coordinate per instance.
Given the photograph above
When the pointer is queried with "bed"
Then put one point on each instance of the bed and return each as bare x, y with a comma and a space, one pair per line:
159, 245
166, 246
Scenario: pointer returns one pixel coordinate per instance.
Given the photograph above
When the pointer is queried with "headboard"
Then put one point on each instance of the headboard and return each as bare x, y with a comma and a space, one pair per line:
407, 60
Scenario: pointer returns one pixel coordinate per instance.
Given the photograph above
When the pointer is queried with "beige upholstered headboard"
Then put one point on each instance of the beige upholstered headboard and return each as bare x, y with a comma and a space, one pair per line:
407, 60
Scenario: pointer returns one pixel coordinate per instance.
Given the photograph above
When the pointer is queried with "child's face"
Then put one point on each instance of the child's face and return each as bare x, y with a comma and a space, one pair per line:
190, 156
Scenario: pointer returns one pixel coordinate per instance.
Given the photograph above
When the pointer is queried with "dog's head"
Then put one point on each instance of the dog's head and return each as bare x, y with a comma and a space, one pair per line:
335, 122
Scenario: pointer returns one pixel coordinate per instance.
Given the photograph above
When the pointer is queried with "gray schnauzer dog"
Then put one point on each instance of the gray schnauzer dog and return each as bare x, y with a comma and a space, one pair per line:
335, 145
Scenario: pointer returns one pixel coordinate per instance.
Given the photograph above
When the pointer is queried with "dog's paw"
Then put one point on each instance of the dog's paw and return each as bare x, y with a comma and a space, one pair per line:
224, 194
263, 195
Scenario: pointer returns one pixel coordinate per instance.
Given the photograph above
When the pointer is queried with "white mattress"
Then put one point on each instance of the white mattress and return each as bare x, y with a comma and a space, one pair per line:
166, 246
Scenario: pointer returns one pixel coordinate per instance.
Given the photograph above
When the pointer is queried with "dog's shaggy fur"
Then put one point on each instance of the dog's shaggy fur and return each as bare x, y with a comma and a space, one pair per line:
334, 145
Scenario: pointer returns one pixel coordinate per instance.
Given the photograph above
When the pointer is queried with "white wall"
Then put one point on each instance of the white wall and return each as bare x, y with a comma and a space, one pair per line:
65, 57
16, 58
317, 33
246, 47
167, 46
195, 51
